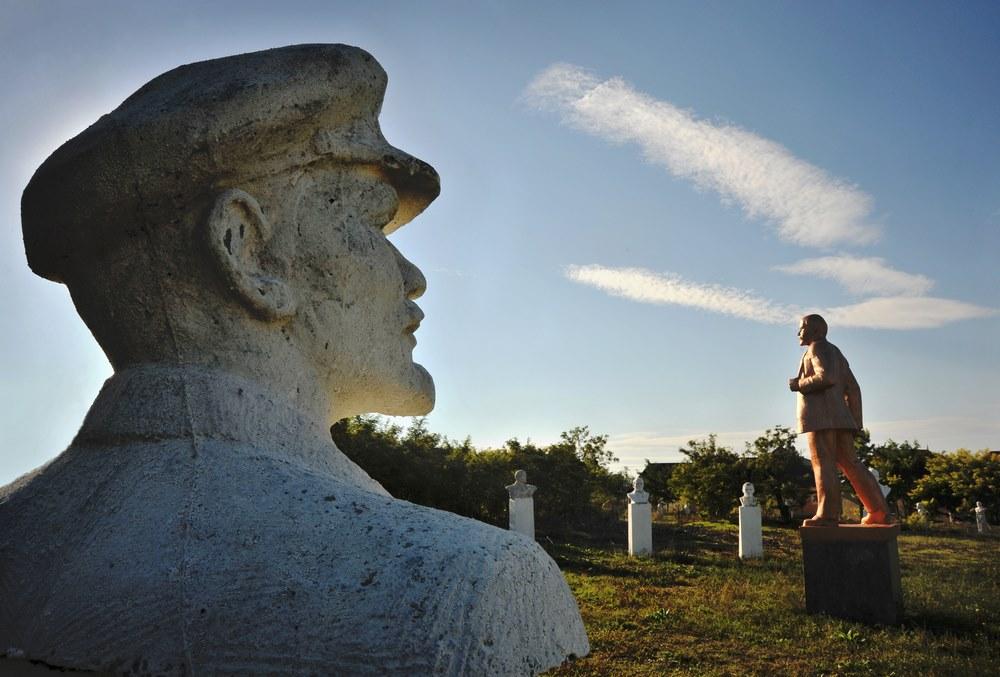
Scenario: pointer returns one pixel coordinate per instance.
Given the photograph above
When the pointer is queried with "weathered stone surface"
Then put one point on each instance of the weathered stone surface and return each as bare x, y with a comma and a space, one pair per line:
222, 234
852, 572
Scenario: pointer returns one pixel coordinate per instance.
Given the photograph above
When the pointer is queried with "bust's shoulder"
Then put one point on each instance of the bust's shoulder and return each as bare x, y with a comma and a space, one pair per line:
241, 562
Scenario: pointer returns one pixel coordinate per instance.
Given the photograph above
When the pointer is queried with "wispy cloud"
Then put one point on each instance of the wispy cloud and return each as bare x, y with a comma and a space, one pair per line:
808, 206
942, 433
905, 312
645, 286
862, 276
896, 312
633, 449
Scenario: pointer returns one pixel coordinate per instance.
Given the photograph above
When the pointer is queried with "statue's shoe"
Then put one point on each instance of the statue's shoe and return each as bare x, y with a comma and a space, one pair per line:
876, 518
820, 522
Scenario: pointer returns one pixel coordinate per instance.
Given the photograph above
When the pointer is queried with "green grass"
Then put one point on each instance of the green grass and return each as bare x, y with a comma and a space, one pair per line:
694, 608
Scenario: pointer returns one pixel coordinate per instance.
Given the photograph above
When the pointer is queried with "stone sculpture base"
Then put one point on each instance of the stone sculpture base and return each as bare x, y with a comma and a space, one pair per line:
852, 572
751, 533
522, 516
640, 529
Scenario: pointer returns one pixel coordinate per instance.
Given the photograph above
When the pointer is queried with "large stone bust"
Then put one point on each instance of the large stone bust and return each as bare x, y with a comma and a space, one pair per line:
223, 234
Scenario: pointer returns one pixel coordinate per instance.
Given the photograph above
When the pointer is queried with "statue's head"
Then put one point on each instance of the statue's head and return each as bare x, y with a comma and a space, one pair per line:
638, 484
520, 477
812, 328
233, 213
748, 489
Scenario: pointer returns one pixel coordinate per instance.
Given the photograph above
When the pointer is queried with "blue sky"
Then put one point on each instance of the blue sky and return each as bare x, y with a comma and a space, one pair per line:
637, 201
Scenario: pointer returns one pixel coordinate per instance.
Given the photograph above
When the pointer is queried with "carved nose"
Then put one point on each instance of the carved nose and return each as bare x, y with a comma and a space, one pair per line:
414, 282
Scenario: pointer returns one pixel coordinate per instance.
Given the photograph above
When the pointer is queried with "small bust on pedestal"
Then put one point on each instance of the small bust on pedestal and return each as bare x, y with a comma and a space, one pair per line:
640, 520
521, 505
637, 495
751, 532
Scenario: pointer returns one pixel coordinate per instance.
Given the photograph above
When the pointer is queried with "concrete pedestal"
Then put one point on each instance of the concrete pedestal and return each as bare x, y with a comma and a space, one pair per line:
640, 529
751, 533
522, 516
852, 572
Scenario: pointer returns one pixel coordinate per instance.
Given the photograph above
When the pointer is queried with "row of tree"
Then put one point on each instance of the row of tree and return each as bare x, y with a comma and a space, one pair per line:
951, 482
418, 465
579, 489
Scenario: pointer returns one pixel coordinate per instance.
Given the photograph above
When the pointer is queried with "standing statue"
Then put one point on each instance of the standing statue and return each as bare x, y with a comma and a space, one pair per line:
982, 525
223, 235
829, 415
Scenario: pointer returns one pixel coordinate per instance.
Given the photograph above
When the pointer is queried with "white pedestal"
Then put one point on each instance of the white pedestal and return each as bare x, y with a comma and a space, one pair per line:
522, 516
751, 533
640, 529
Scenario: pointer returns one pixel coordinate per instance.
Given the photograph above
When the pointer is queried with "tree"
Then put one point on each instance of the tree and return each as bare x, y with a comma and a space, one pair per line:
955, 481
426, 468
777, 470
863, 446
589, 448
711, 477
657, 481
900, 466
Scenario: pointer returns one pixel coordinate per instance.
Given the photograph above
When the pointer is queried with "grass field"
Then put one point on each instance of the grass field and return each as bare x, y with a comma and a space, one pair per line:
695, 609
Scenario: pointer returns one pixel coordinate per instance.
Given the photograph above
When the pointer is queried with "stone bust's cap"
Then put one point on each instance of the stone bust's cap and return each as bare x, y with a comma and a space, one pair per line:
205, 127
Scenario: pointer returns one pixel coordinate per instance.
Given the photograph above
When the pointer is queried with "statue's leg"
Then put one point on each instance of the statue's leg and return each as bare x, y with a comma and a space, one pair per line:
823, 454
864, 483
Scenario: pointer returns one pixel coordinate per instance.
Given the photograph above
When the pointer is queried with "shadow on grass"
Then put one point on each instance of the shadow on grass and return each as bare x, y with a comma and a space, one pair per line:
942, 623
697, 549
583, 565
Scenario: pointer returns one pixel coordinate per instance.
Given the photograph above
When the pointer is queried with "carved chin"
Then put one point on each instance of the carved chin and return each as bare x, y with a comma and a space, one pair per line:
415, 398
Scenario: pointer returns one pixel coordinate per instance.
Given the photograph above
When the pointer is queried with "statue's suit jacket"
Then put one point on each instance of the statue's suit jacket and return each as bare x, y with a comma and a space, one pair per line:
829, 395
198, 524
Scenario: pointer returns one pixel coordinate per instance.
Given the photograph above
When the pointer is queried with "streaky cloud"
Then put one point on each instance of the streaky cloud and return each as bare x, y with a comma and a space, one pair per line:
892, 312
808, 206
646, 286
905, 312
862, 276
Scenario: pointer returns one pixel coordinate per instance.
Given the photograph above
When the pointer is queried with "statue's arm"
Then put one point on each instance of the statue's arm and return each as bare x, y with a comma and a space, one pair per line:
824, 372
852, 394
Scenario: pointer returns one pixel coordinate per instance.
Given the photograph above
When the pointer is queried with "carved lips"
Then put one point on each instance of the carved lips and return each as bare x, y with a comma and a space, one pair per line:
415, 315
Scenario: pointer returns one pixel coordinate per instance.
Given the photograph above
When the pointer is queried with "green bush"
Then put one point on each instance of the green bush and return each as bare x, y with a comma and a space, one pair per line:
426, 468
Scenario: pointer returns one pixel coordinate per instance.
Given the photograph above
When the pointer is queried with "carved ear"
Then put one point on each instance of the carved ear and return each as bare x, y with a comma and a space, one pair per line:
238, 232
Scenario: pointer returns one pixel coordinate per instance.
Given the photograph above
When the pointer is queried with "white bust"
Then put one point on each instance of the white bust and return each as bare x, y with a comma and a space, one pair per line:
520, 488
223, 233
637, 495
748, 500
